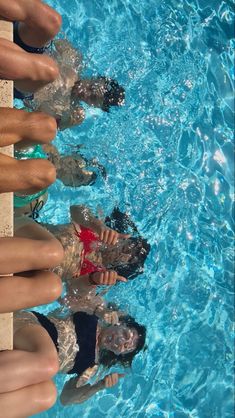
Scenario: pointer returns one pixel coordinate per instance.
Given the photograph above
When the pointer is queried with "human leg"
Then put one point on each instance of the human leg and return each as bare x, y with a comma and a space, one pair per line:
28, 401
41, 254
41, 25
39, 22
25, 176
25, 128
29, 71
18, 292
34, 358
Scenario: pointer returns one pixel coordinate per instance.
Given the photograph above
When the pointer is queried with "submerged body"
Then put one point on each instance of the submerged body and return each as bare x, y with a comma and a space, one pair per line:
61, 98
83, 343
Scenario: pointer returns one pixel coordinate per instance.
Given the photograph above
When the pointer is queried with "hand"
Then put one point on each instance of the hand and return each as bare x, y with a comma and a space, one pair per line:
109, 236
111, 317
108, 278
112, 379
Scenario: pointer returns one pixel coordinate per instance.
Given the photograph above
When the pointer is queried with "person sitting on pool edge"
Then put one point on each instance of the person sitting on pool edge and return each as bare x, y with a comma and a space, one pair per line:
72, 170
37, 24
20, 128
61, 98
93, 246
80, 343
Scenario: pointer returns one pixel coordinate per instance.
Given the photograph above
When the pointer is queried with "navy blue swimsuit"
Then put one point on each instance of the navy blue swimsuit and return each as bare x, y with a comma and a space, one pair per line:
85, 327
27, 48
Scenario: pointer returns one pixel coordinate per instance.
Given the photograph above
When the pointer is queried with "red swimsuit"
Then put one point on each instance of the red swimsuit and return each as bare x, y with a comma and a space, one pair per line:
87, 237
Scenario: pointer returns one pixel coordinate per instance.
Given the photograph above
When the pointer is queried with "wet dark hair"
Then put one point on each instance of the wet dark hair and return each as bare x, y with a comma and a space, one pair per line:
110, 92
114, 94
138, 246
109, 359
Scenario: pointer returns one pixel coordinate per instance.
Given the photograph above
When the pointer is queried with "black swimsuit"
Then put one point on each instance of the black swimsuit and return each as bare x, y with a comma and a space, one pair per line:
85, 327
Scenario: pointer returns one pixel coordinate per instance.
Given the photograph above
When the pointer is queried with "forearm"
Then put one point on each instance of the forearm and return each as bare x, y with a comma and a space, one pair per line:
83, 216
71, 119
71, 394
81, 296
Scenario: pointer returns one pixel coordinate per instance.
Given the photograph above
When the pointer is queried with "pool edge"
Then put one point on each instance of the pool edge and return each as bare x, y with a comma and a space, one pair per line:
6, 199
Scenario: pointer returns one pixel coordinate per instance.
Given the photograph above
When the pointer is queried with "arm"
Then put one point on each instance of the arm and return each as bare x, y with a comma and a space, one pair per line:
72, 118
67, 53
72, 394
83, 216
81, 296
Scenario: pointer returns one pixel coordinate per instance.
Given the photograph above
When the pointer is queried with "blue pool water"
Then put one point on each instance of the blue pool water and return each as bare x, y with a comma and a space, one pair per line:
169, 159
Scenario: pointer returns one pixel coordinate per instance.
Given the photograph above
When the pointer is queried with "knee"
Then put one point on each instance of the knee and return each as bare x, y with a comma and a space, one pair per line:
49, 126
43, 174
54, 286
49, 365
46, 395
54, 22
44, 69
40, 125
54, 252
51, 70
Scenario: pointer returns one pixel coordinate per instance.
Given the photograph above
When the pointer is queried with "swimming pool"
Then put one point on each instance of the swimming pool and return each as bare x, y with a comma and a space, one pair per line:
169, 158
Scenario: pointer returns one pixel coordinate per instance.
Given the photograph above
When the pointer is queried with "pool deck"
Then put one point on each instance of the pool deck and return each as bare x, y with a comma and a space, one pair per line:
6, 199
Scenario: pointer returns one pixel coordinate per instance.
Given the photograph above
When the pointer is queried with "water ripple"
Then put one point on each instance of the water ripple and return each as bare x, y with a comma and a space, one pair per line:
169, 159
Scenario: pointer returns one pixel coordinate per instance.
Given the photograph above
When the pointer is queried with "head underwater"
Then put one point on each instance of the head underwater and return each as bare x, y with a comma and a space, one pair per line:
114, 94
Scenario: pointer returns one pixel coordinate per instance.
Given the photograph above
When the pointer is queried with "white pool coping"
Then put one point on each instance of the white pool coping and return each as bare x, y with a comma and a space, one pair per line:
6, 199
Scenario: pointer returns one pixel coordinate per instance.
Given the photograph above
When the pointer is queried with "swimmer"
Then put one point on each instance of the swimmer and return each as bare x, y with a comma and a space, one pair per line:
62, 98
80, 343
37, 24
91, 246
25, 176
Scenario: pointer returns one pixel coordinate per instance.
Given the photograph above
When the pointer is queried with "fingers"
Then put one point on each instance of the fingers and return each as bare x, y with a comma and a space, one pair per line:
111, 379
110, 237
107, 236
114, 238
111, 318
121, 279
107, 278
114, 318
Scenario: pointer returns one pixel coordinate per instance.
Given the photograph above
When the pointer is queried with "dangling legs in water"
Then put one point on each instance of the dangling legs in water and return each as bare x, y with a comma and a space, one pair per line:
25, 129
38, 23
20, 254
